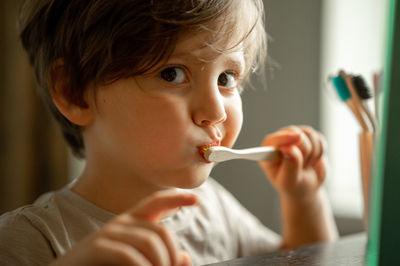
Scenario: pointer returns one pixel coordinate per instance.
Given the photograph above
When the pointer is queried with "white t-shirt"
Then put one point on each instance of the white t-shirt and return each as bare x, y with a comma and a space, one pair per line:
217, 229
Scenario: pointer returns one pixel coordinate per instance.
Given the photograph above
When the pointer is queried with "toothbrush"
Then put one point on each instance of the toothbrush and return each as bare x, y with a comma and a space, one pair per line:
356, 100
344, 94
221, 154
346, 88
365, 94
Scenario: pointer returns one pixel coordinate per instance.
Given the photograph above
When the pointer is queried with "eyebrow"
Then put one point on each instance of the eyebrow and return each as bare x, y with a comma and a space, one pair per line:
236, 64
227, 60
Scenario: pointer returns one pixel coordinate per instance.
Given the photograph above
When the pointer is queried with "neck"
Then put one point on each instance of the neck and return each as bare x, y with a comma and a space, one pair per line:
113, 192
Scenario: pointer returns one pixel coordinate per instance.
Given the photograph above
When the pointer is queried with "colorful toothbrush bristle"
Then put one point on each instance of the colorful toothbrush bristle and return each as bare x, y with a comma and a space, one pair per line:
341, 88
361, 88
204, 148
349, 93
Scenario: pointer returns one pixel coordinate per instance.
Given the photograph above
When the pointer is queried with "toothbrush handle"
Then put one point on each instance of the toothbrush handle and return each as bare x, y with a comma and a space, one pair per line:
366, 145
266, 153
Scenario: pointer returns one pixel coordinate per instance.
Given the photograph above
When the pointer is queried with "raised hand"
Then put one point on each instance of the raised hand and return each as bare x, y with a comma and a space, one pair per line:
134, 237
302, 169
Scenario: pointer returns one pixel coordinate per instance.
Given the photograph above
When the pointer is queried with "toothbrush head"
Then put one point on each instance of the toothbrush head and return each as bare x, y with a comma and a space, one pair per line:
341, 88
361, 88
207, 153
203, 149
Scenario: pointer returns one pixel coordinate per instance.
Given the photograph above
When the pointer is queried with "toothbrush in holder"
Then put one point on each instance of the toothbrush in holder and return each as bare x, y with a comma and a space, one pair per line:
221, 154
365, 122
344, 94
365, 94
349, 90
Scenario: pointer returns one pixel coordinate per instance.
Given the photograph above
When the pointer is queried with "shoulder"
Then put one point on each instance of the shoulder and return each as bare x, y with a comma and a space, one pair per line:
37, 228
14, 218
27, 219
32, 216
21, 218
21, 242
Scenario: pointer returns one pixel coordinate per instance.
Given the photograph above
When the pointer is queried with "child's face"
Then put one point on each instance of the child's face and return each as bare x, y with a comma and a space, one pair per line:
153, 126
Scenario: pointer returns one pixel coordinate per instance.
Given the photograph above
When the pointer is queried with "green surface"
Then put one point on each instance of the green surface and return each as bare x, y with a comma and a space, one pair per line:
384, 219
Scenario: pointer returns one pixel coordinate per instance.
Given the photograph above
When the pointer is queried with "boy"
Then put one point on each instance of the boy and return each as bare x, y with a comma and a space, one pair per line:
140, 88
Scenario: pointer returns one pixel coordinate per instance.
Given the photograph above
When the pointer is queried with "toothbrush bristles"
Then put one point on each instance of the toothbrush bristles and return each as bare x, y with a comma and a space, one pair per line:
361, 88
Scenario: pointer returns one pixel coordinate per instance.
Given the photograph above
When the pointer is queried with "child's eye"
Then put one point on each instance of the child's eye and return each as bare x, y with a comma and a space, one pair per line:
227, 79
173, 74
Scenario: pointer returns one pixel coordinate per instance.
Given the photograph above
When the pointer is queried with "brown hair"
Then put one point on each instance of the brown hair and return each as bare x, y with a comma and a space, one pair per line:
101, 41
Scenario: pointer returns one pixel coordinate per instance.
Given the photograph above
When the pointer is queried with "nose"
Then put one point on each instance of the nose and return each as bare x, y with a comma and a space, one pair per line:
208, 105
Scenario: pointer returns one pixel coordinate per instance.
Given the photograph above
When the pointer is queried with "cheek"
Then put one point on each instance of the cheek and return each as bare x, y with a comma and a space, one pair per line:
233, 123
141, 128
161, 129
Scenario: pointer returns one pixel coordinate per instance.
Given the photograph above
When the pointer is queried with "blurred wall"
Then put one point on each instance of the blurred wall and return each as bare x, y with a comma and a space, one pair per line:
33, 155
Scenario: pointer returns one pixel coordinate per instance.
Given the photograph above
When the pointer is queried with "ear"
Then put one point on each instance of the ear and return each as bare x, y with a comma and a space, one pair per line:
58, 84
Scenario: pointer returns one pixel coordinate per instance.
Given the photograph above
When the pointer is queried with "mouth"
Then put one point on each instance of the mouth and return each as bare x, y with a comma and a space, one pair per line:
204, 148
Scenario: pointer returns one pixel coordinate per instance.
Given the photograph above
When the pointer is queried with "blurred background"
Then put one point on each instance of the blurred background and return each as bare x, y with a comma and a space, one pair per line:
309, 40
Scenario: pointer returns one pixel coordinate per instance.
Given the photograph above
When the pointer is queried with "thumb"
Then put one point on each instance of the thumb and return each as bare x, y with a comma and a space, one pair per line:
153, 207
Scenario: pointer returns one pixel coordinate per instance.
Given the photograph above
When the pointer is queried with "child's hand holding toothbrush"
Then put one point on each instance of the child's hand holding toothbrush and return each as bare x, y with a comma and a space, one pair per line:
298, 178
302, 169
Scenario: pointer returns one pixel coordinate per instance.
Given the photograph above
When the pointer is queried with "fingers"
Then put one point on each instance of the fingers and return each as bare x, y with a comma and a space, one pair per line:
139, 227
315, 145
147, 242
320, 169
152, 208
110, 252
185, 259
302, 169
291, 165
308, 141
135, 237
168, 239
281, 138
301, 147
159, 243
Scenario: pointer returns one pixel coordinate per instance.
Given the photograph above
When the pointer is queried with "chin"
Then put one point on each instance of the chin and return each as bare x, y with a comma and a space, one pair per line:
192, 180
